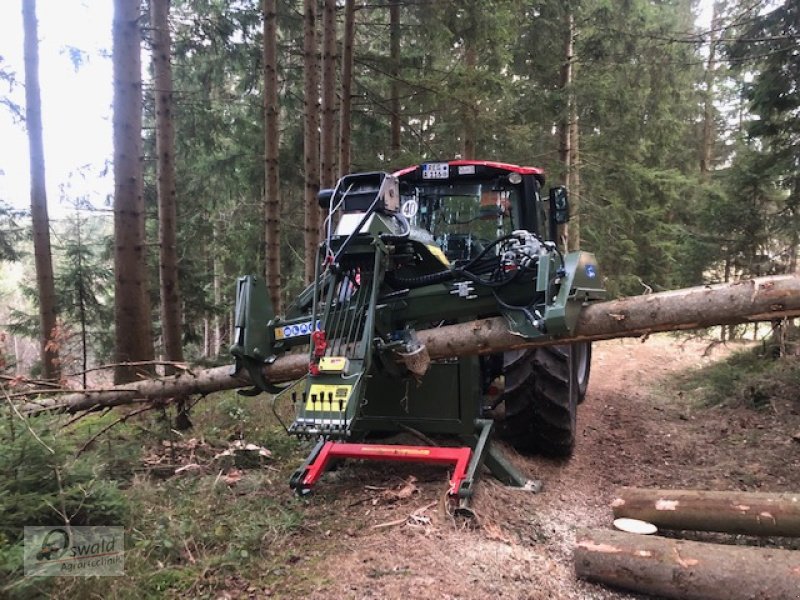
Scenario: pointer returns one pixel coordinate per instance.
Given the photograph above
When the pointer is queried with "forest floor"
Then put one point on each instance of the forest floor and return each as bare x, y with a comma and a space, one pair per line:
377, 532
201, 526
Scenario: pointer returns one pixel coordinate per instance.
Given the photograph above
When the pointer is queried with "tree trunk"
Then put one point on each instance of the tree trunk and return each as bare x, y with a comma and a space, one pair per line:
311, 225
132, 323
41, 223
347, 87
470, 114
206, 336
749, 513
394, 85
272, 201
758, 299
686, 570
707, 149
82, 298
171, 322
216, 327
574, 236
328, 126
565, 129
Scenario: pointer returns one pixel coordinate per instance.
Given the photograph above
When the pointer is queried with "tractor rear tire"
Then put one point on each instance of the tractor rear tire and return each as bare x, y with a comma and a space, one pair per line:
583, 354
541, 396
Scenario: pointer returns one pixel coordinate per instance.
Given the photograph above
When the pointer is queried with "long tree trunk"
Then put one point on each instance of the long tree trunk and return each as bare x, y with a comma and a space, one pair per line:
749, 513
132, 323
347, 86
574, 174
749, 300
41, 223
470, 113
575, 200
311, 224
328, 126
707, 149
686, 570
272, 202
216, 323
564, 128
167, 194
82, 299
394, 85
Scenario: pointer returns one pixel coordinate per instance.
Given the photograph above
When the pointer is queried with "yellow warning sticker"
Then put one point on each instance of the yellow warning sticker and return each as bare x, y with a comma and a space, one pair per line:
328, 398
333, 364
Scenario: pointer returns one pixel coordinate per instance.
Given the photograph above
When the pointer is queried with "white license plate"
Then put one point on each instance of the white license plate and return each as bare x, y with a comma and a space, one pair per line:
435, 171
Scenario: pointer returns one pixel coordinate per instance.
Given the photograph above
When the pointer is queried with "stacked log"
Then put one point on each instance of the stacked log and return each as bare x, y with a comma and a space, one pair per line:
686, 570
676, 568
748, 513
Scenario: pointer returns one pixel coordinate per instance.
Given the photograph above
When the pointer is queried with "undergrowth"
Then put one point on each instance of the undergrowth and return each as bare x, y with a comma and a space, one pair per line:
753, 378
222, 527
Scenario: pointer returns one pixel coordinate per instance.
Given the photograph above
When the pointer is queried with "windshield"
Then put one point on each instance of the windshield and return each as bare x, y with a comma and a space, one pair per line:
463, 218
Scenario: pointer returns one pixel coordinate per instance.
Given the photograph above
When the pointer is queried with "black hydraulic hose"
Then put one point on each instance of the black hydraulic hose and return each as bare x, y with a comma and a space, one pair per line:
421, 280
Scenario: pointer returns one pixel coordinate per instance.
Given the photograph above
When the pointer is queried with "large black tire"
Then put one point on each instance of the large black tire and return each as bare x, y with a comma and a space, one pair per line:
541, 395
583, 354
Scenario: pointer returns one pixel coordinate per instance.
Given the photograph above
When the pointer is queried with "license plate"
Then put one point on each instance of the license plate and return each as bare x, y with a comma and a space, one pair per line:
435, 171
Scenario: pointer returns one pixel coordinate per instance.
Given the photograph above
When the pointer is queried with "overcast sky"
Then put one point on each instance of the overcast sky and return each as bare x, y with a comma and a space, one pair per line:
76, 101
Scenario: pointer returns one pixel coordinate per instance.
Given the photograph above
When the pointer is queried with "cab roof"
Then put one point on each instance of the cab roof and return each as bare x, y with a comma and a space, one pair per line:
488, 164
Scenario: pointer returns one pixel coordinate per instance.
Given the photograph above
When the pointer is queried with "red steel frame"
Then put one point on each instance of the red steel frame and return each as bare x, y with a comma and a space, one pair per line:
459, 457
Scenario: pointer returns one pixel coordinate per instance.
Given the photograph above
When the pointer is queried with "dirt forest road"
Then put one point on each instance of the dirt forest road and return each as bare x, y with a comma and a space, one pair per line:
383, 532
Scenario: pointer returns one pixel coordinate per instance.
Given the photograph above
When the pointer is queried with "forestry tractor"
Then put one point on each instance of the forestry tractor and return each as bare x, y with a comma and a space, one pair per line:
437, 243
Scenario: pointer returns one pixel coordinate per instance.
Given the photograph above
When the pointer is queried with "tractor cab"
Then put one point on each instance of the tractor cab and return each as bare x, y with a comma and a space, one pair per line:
465, 205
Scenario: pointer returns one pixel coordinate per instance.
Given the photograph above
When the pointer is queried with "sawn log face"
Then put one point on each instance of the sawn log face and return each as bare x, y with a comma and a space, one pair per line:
750, 513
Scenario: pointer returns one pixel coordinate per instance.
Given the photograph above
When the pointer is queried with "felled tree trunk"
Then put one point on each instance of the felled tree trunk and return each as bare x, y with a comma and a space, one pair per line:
750, 513
766, 298
686, 570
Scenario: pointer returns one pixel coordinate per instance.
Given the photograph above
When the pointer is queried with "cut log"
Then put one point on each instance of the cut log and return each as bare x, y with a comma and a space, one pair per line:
686, 570
762, 299
749, 513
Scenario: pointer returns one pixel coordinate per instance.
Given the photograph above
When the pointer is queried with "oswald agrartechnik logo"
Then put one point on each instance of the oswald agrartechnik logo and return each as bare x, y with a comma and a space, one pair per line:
77, 551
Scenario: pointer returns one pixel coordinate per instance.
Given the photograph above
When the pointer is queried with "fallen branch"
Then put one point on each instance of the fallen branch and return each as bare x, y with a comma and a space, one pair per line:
139, 363
686, 570
750, 513
122, 419
761, 299
17, 379
25, 422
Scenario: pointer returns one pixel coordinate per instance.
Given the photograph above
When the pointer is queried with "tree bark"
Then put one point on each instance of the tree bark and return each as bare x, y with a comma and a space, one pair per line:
394, 84
43, 259
82, 298
215, 344
328, 125
272, 202
686, 570
171, 322
347, 86
470, 114
565, 127
707, 150
749, 513
311, 139
574, 186
132, 323
749, 300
